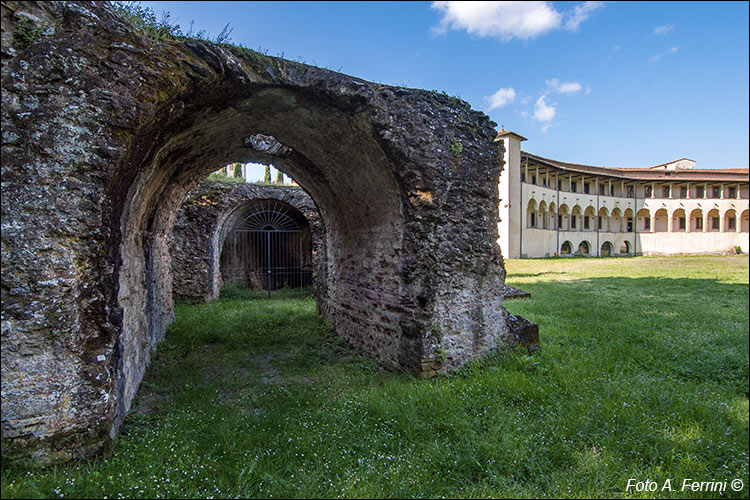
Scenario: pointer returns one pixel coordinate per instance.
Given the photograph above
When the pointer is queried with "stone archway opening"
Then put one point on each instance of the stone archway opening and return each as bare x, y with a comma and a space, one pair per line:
405, 181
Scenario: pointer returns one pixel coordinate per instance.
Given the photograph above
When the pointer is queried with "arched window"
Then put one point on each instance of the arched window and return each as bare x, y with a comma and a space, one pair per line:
625, 248
628, 219
588, 219
563, 217
661, 220
606, 250
712, 221
603, 219
730, 221
696, 220
542, 222
552, 216
679, 221
644, 220
531, 214
584, 248
745, 221
575, 218
616, 221
566, 248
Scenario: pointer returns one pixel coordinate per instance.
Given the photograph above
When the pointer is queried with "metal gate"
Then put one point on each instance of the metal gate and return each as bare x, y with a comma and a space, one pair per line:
270, 248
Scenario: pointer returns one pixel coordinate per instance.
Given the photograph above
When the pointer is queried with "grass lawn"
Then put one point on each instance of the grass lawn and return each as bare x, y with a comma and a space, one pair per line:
643, 374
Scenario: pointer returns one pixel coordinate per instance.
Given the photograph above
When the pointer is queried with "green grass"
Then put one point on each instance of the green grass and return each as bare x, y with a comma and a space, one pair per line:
643, 374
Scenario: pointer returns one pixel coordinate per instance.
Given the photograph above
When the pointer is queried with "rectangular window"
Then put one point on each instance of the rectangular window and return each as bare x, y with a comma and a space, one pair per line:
716, 192
683, 192
586, 187
631, 191
714, 223
648, 191
523, 177
602, 189
699, 223
572, 222
533, 179
647, 224
586, 222
630, 225
732, 192
533, 220
559, 185
699, 192
559, 221
665, 192
611, 190
544, 182
681, 223
731, 224
572, 186
600, 223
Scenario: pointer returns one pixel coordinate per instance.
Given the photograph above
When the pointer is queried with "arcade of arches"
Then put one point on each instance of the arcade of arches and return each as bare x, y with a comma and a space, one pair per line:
105, 131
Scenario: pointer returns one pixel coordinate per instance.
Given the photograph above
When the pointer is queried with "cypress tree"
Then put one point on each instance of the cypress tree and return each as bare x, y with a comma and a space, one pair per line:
237, 170
267, 175
279, 177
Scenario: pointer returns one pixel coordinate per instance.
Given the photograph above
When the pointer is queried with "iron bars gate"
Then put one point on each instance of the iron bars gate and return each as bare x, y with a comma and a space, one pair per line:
270, 248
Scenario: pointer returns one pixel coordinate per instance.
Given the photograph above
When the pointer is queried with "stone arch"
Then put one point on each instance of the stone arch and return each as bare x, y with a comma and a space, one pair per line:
531, 214
603, 219
644, 220
410, 239
552, 216
661, 221
563, 218
575, 218
627, 218
201, 225
730, 221
606, 249
542, 222
616, 220
584, 248
625, 248
713, 220
696, 220
588, 219
679, 221
566, 248
745, 221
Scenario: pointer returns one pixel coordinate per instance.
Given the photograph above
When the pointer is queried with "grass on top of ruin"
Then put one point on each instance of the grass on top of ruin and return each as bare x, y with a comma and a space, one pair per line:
643, 376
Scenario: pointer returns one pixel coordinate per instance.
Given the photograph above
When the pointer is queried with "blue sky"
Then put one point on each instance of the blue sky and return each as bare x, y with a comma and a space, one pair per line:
601, 83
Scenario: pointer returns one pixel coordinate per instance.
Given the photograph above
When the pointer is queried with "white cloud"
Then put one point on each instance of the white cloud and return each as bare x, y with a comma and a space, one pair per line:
543, 112
554, 85
502, 97
580, 14
655, 58
507, 20
663, 29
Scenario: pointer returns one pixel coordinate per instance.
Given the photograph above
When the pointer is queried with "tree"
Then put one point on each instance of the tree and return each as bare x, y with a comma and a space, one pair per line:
279, 177
267, 175
237, 170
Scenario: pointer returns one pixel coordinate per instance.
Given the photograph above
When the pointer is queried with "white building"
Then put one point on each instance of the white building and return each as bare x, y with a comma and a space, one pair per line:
549, 207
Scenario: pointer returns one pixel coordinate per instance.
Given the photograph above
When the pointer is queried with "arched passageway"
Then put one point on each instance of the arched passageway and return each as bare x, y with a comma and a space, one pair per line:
412, 273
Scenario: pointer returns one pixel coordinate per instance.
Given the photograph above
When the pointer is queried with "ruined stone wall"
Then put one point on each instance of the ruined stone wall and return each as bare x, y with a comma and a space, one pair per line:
206, 216
105, 129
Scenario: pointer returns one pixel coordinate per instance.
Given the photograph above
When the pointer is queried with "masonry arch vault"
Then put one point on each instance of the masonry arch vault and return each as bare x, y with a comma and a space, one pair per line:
121, 127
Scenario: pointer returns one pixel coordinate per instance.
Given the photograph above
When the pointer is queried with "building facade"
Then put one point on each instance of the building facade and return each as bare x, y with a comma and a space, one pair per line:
549, 208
